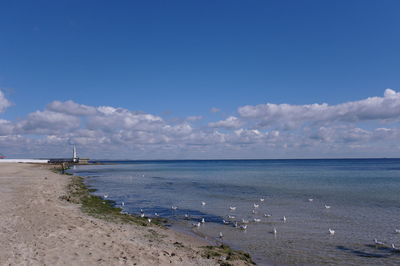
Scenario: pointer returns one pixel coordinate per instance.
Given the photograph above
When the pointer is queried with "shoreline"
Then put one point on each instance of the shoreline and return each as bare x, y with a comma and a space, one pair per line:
38, 226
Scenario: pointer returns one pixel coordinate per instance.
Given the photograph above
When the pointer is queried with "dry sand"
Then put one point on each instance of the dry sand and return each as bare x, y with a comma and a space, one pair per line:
37, 228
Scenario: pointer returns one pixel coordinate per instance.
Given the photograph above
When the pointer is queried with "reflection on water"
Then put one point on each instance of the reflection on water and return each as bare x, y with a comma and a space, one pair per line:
363, 195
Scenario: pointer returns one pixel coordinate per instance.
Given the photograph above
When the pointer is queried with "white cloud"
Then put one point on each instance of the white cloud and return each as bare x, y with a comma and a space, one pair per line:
71, 108
291, 116
229, 123
4, 103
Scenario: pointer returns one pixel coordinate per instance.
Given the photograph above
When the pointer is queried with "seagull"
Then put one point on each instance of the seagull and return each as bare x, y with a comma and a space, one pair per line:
221, 235
245, 221
149, 220
235, 224
203, 221
174, 208
232, 208
256, 220
186, 216
327, 206
261, 199
395, 249
378, 243
284, 219
231, 216
142, 215
141, 210
331, 231
243, 227
105, 196
275, 232
253, 211
256, 205
310, 200
203, 203
225, 222
397, 231
122, 204
267, 215
156, 214
196, 224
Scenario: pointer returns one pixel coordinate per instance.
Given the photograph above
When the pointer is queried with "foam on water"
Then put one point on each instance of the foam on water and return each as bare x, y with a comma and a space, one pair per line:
364, 196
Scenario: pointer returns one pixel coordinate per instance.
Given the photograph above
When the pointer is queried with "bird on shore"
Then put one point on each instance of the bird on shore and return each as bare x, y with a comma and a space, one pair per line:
262, 199
225, 222
331, 231
245, 221
142, 215
186, 216
232, 208
256, 205
327, 206
149, 220
310, 200
203, 220
105, 196
235, 224
203, 203
141, 211
122, 204
196, 224
395, 248
378, 243
253, 211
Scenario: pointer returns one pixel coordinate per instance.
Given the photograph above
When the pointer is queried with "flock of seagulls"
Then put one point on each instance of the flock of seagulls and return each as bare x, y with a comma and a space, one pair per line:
243, 224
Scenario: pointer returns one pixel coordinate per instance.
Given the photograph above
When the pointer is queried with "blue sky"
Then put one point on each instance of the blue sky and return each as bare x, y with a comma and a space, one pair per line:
178, 59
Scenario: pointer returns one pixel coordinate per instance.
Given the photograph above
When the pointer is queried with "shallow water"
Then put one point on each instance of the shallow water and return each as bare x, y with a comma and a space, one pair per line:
364, 196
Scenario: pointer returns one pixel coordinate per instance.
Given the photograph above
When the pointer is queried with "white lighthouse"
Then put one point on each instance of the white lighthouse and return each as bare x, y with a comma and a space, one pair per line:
75, 158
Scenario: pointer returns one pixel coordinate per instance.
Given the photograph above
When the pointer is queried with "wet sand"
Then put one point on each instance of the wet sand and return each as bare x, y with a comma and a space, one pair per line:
38, 228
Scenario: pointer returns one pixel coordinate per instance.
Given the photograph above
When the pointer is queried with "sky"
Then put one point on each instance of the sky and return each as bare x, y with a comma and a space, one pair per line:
200, 79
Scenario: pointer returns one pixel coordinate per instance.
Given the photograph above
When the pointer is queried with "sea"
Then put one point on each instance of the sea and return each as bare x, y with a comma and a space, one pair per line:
289, 206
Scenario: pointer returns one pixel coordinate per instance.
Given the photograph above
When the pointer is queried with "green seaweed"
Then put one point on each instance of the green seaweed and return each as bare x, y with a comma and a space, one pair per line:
226, 255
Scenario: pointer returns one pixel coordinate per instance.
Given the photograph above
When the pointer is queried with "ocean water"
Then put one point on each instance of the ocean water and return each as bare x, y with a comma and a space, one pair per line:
363, 195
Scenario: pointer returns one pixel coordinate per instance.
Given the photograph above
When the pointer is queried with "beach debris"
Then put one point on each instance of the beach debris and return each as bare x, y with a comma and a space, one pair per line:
310, 200
262, 199
331, 231
174, 208
203, 203
256, 205
327, 206
232, 208
257, 220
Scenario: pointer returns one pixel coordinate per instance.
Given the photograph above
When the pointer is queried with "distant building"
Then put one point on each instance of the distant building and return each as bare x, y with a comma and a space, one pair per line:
75, 158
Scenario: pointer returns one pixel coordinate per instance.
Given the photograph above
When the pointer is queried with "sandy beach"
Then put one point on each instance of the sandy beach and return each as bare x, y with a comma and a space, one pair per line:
38, 228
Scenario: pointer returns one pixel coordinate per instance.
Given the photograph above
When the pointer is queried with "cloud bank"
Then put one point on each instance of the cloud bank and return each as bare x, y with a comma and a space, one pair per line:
363, 128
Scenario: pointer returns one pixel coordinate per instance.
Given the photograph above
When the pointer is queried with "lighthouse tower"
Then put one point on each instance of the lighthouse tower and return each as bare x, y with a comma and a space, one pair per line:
75, 158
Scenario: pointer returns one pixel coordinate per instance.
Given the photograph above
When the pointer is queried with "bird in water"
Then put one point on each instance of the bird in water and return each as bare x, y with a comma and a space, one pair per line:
196, 224
256, 205
232, 208
267, 215
284, 219
221, 235
122, 204
174, 208
156, 214
203, 203
331, 231
256, 220
186, 216
275, 231
327, 206
310, 200
243, 227
378, 243
397, 231
203, 220
262, 199
105, 196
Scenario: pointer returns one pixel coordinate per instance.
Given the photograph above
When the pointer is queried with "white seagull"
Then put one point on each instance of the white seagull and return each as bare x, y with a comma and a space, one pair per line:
397, 231
231, 216
203, 203
149, 220
331, 231
275, 232
196, 224
105, 196
174, 208
256, 220
267, 215
122, 204
327, 206
243, 227
186, 216
221, 235
261, 199
245, 221
232, 208
203, 221
142, 215
310, 200
378, 243
156, 214
284, 219
256, 205
225, 222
